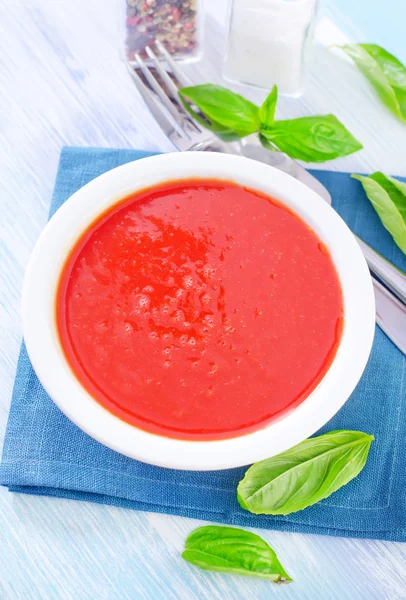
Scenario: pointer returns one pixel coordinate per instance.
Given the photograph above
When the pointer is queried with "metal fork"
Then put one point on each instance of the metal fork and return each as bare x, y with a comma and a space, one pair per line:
159, 89
160, 93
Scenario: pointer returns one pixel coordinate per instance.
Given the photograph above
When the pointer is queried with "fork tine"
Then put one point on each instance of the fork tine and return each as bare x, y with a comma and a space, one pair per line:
166, 126
162, 73
181, 77
183, 80
179, 119
172, 88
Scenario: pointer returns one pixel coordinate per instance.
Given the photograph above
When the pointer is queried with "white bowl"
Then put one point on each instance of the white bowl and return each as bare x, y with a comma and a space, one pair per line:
48, 360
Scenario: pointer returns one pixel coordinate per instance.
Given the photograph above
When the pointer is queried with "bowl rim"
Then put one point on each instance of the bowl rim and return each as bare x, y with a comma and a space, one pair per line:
85, 205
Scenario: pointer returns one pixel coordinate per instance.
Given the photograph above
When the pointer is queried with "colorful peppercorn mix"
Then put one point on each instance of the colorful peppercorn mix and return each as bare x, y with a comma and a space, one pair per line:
172, 22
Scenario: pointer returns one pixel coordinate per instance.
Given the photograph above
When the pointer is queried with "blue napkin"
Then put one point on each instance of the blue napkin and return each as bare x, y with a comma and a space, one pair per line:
45, 454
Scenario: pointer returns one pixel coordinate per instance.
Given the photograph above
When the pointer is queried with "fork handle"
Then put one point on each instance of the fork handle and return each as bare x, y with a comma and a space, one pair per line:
392, 277
390, 315
216, 145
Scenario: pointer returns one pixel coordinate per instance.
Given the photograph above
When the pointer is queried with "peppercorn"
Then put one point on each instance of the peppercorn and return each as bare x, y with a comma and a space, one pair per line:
173, 22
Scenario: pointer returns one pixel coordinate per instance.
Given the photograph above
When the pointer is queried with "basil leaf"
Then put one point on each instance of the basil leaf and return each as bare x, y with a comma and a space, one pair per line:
221, 132
267, 110
232, 550
396, 190
388, 197
394, 70
312, 139
385, 72
223, 106
305, 474
398, 200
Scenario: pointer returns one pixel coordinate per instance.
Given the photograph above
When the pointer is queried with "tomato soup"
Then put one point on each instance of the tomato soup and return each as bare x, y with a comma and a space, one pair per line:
199, 309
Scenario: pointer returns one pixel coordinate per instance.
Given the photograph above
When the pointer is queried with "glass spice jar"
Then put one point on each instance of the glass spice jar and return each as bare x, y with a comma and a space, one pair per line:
269, 42
175, 23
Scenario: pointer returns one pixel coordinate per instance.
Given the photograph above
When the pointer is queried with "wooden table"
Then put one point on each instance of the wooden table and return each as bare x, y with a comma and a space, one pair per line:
62, 83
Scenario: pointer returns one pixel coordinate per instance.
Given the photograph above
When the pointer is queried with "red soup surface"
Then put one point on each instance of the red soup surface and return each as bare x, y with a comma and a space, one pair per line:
199, 309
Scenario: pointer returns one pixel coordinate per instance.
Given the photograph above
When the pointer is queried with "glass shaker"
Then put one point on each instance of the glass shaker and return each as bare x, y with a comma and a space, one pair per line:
268, 43
175, 23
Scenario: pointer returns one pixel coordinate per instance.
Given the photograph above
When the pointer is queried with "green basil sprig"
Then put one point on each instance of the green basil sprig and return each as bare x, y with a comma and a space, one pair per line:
388, 197
305, 474
232, 550
311, 139
384, 71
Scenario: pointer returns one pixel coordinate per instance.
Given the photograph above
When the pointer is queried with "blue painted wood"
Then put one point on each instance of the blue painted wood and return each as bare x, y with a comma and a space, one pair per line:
62, 82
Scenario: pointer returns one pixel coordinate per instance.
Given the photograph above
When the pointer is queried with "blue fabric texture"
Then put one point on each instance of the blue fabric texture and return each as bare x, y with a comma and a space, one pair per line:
45, 454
